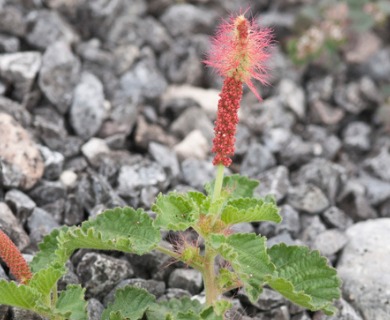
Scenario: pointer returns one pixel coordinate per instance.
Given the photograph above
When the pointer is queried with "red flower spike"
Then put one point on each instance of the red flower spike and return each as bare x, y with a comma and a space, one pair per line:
11, 255
240, 50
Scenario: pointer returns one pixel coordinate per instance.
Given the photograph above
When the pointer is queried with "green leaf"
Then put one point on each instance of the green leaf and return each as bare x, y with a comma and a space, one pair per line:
71, 303
175, 211
18, 295
209, 314
130, 303
221, 306
235, 186
184, 308
46, 256
304, 277
45, 279
249, 210
248, 256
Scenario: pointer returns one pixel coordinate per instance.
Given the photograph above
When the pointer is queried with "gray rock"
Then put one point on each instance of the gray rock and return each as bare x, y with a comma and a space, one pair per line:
154, 34
20, 69
132, 179
380, 165
94, 309
269, 299
378, 66
20, 203
43, 20
363, 268
281, 238
323, 113
9, 44
296, 151
312, 226
328, 176
191, 119
156, 288
243, 136
329, 143
175, 293
182, 63
244, 227
10, 225
293, 97
320, 88
69, 277
59, 74
20, 153
11, 21
93, 149
273, 182
17, 313
257, 160
349, 98
308, 198
336, 218
166, 158
40, 223
197, 172
344, 312
54, 162
377, 191
280, 313
354, 202
276, 139
47, 191
330, 242
87, 111
186, 19
187, 279
73, 211
290, 223
385, 209
356, 136
100, 273
143, 81
194, 145
16, 110
302, 316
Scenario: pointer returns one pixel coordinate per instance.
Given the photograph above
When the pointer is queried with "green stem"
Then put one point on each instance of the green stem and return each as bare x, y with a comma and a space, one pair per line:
218, 183
209, 277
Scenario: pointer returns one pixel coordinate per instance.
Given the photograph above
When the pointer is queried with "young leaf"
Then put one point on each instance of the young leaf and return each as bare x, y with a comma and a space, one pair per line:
172, 308
45, 279
71, 303
235, 186
174, 212
249, 210
21, 296
46, 255
304, 277
248, 257
130, 303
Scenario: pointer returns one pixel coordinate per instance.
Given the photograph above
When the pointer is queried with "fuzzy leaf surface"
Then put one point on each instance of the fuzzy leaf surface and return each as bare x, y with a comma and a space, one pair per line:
175, 211
45, 279
304, 277
234, 186
17, 295
248, 256
130, 303
47, 248
172, 308
71, 303
250, 210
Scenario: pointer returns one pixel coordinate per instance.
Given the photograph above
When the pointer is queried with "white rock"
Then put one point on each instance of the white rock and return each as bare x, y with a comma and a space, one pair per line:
293, 97
68, 178
194, 145
94, 147
364, 268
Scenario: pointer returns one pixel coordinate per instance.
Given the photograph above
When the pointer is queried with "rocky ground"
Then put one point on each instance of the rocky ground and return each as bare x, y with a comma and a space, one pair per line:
107, 103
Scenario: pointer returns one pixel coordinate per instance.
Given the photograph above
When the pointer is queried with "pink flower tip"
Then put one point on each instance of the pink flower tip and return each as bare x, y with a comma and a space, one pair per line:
240, 50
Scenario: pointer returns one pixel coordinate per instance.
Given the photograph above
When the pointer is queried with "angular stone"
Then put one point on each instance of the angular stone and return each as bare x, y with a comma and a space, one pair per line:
197, 172
11, 226
269, 299
20, 203
312, 226
330, 242
308, 198
20, 69
293, 97
274, 182
380, 165
40, 223
166, 158
377, 191
276, 139
363, 268
93, 148
11, 21
54, 162
336, 218
356, 136
330, 143
87, 111
20, 153
325, 114
94, 309
296, 151
290, 223
154, 34
59, 74
43, 20
257, 160
100, 273
187, 279
344, 312
194, 145
47, 192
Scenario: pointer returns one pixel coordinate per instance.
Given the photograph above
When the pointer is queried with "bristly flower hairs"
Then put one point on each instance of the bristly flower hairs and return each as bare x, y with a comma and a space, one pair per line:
227, 261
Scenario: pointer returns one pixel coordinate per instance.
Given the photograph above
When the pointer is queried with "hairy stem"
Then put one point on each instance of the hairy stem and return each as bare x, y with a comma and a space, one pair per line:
177, 256
209, 277
218, 182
